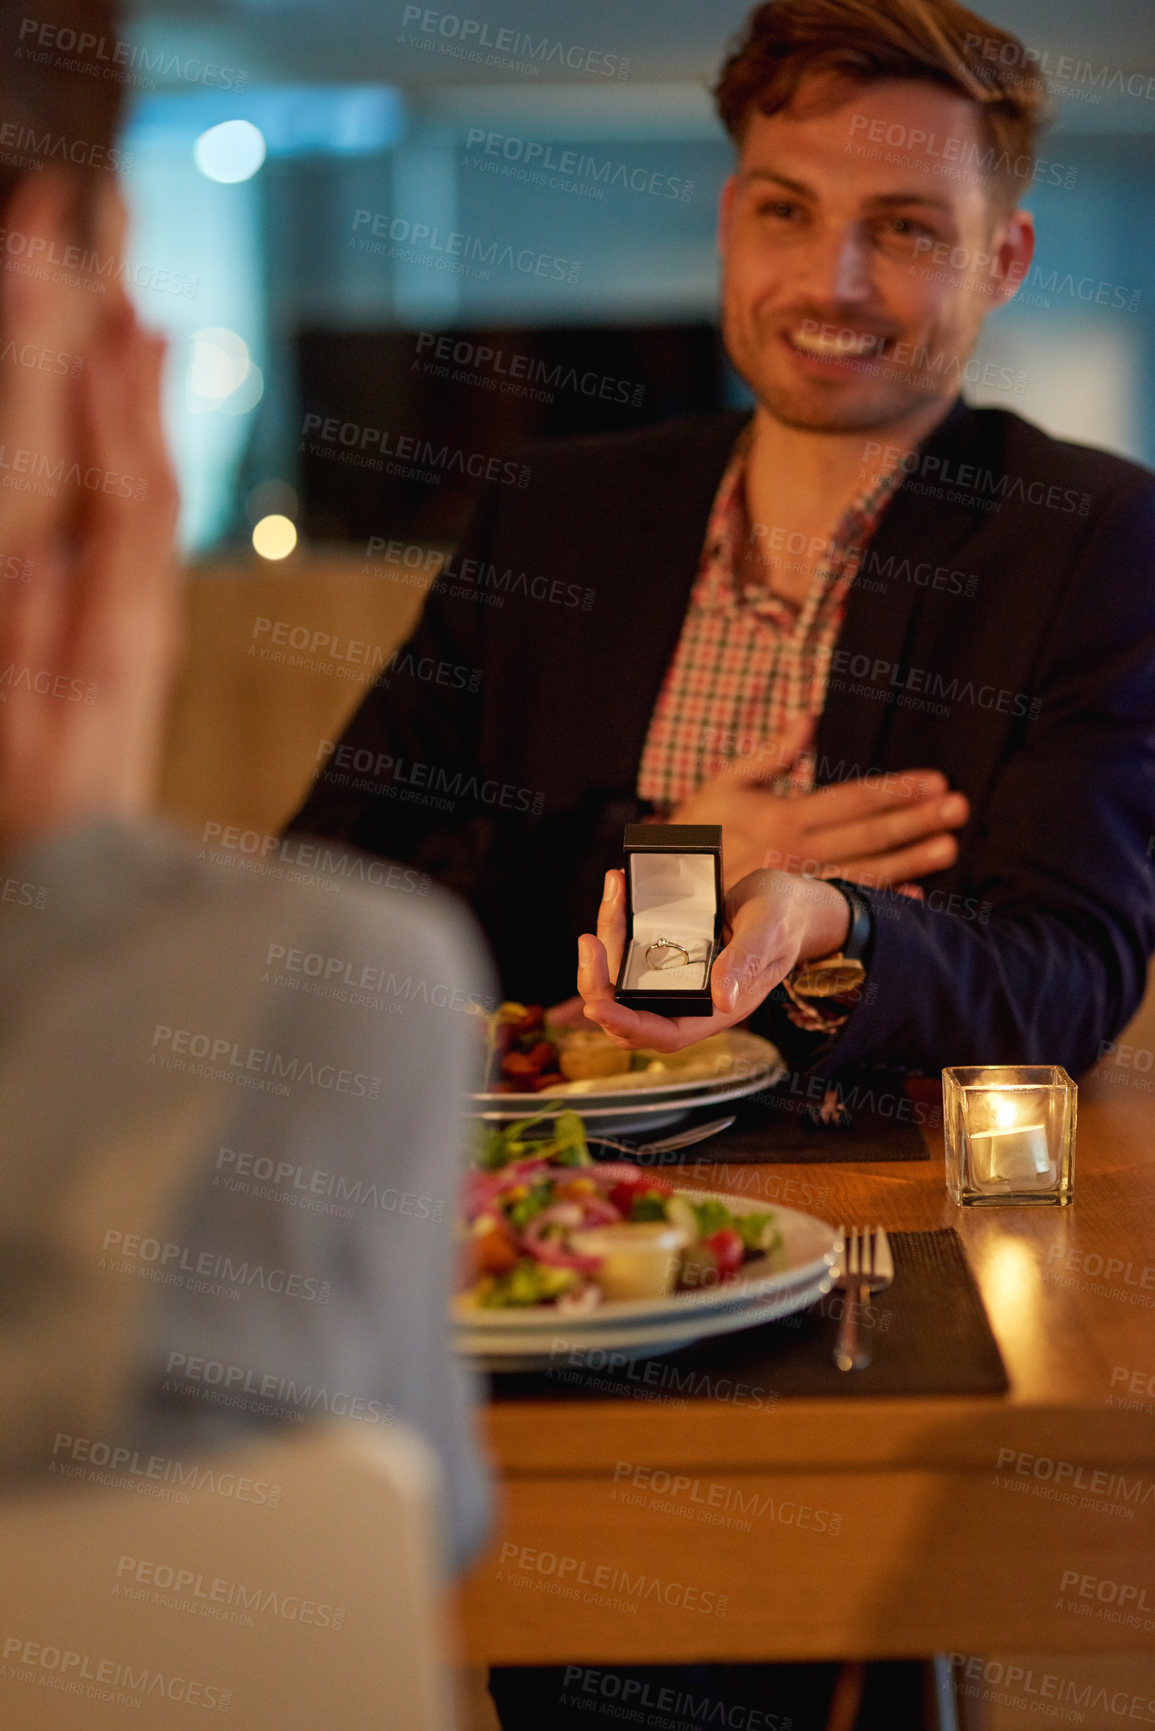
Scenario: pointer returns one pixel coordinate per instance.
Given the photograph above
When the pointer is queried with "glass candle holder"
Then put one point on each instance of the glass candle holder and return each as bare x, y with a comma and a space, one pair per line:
1010, 1135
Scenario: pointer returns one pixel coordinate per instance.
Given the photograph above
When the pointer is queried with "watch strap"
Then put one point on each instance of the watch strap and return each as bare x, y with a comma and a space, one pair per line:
860, 936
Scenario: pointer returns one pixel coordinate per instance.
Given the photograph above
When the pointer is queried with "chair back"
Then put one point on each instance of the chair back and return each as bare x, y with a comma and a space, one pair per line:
291, 1585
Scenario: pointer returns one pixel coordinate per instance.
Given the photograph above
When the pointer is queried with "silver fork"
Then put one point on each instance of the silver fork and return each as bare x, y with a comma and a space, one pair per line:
667, 1144
865, 1265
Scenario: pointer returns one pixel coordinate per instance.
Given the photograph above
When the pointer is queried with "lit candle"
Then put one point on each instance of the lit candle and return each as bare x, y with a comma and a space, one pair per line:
1013, 1153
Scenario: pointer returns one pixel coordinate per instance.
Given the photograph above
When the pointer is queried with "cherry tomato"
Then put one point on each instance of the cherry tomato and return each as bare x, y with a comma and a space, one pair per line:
518, 1064
550, 1079
543, 1055
728, 1251
626, 1191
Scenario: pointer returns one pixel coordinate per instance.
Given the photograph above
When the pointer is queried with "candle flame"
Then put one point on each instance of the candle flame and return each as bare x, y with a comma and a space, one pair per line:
1007, 1113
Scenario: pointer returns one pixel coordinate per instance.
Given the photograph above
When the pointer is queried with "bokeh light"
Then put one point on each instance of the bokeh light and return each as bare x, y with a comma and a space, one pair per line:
274, 537
230, 152
219, 365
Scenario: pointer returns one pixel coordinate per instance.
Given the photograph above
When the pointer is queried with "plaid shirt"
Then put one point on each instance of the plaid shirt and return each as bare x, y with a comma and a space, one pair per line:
750, 661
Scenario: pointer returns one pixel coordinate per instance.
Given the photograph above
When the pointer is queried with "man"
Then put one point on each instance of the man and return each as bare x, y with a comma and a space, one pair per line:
973, 597
227, 1199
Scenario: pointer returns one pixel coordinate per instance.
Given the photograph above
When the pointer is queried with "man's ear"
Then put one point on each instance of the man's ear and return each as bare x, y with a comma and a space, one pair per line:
1013, 254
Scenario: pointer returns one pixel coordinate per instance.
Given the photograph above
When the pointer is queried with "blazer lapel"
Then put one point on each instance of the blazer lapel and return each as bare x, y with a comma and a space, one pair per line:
655, 562
882, 609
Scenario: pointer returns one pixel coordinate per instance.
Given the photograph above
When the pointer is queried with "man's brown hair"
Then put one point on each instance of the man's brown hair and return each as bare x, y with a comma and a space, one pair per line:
865, 41
58, 106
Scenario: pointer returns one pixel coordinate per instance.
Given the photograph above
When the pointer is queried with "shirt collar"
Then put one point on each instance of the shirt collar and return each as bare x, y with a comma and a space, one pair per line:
728, 532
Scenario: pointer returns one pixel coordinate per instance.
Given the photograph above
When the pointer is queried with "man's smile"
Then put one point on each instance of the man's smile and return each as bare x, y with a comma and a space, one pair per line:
829, 349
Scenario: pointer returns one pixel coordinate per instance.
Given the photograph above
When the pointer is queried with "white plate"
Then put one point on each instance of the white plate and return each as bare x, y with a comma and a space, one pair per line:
734, 1058
793, 1275
649, 1114
647, 1109
493, 1352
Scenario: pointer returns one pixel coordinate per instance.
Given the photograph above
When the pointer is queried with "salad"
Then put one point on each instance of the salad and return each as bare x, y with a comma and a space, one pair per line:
526, 1053
544, 1225
522, 1057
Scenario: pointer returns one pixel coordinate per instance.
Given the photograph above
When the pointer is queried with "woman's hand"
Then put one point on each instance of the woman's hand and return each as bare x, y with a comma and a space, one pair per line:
88, 641
773, 920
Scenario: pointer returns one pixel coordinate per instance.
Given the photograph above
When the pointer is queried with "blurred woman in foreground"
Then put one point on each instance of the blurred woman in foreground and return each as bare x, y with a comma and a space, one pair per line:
123, 958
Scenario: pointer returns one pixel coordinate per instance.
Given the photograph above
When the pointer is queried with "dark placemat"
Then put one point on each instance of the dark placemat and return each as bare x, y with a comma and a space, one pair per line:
928, 1334
781, 1126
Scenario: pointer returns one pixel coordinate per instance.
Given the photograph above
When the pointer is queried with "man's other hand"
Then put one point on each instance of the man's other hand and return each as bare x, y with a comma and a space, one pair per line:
881, 832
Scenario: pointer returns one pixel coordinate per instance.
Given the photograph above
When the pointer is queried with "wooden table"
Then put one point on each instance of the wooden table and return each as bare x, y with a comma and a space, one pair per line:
950, 1537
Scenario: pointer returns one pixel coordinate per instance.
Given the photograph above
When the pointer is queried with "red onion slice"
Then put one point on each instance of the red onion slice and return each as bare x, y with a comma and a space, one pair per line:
586, 1211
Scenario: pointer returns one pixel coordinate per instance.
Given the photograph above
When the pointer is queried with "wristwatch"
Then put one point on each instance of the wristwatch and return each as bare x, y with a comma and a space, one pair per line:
845, 970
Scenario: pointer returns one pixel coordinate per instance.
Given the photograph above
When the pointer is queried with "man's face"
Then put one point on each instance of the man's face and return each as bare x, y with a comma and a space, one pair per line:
854, 286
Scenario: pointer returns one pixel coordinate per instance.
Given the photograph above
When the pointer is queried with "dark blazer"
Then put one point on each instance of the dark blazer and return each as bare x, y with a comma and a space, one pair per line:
1001, 629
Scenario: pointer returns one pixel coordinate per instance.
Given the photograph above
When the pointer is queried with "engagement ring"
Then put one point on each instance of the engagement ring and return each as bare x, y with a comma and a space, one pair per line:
667, 944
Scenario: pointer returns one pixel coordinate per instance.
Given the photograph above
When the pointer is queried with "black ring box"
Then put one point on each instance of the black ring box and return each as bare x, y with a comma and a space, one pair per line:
674, 866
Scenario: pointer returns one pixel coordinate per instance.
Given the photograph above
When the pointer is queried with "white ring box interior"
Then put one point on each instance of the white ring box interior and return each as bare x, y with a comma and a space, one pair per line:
673, 896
